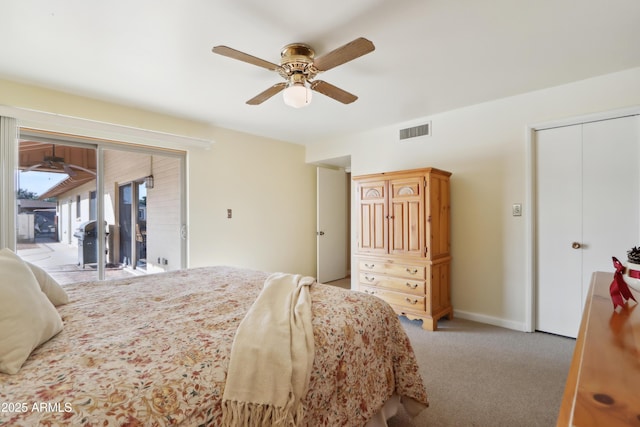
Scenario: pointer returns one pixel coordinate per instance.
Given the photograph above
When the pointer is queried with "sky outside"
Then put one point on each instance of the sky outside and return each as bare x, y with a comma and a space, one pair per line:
39, 182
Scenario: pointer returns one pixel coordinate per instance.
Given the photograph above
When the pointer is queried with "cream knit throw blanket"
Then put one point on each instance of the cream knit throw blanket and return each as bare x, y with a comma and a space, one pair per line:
271, 357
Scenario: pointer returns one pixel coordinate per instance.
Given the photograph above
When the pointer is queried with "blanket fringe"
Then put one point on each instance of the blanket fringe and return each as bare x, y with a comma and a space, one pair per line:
245, 414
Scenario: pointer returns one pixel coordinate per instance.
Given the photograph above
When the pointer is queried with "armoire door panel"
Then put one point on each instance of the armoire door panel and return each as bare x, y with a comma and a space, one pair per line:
372, 228
414, 227
407, 203
373, 213
406, 188
396, 227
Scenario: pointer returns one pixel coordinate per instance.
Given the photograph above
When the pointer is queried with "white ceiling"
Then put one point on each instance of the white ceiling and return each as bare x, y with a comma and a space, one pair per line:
431, 55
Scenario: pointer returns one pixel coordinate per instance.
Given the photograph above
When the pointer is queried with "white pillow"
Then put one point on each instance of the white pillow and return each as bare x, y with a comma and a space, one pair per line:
49, 285
27, 317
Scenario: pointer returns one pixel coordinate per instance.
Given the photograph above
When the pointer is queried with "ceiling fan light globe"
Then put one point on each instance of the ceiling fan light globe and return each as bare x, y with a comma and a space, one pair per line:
297, 95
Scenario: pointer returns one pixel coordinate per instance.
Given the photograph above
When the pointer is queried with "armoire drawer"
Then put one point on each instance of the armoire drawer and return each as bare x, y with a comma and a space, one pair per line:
397, 299
417, 272
397, 284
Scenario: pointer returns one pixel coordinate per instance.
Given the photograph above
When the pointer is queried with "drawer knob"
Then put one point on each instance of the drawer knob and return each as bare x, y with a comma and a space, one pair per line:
411, 301
369, 292
412, 286
369, 265
410, 271
369, 279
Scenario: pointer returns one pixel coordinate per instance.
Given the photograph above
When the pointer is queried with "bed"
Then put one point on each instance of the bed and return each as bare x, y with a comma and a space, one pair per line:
153, 350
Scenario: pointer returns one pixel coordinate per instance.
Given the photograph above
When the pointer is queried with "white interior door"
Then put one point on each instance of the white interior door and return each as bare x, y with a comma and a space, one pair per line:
559, 202
611, 219
332, 217
588, 211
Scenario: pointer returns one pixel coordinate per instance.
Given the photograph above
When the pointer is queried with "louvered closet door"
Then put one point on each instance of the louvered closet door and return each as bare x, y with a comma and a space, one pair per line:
587, 211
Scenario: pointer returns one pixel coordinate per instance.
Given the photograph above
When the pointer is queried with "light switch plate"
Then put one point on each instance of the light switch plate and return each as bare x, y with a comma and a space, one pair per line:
516, 209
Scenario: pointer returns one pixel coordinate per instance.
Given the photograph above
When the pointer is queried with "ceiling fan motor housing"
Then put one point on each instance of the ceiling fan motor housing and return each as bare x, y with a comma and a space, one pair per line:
297, 59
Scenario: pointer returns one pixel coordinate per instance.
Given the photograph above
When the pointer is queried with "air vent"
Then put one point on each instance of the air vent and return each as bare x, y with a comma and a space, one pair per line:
416, 131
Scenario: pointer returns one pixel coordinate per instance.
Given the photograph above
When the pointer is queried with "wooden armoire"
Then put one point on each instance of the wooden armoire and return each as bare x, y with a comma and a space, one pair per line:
403, 252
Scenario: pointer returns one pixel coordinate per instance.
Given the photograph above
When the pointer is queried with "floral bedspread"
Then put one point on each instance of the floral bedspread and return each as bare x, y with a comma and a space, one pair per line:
153, 351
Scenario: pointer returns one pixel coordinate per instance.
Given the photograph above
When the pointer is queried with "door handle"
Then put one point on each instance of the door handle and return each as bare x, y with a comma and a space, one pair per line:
320, 233
576, 245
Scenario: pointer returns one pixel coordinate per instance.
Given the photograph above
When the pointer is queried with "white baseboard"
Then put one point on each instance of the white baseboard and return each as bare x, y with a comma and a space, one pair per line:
490, 320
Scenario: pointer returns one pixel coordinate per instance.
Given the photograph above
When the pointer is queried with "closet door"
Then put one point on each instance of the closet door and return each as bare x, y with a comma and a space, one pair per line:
611, 206
559, 204
587, 212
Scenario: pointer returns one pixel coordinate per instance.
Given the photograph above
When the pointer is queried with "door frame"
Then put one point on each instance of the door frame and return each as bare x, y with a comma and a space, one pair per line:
530, 208
343, 203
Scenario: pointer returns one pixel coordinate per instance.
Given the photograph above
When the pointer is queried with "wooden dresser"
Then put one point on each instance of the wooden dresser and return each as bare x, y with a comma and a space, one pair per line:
403, 253
603, 385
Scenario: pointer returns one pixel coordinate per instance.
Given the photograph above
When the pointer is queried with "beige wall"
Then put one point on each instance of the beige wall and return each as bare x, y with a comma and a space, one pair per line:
271, 192
267, 183
485, 147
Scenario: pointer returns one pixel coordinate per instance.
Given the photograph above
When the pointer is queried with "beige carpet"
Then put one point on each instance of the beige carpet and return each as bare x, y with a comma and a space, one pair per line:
486, 376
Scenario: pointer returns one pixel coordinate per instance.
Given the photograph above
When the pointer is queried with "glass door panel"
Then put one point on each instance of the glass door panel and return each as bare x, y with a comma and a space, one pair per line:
143, 210
55, 181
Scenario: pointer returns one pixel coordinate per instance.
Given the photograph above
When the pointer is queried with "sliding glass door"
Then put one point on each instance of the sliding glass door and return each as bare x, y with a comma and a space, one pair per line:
68, 186
145, 209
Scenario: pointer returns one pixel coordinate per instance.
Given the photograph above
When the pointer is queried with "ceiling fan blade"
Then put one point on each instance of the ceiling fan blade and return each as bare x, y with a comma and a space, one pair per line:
263, 96
333, 92
80, 168
68, 170
346, 53
32, 167
245, 57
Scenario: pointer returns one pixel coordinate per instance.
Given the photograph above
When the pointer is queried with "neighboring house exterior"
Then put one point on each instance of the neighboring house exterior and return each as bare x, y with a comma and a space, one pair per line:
36, 217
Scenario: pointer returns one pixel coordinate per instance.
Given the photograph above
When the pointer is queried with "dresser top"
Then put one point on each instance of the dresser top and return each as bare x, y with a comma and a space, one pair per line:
603, 385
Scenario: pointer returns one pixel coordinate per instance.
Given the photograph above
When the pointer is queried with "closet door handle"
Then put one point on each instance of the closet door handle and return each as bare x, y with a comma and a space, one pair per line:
576, 245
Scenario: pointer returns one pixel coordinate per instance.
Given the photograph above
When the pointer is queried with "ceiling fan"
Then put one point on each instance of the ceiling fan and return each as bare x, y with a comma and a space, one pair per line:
52, 162
299, 67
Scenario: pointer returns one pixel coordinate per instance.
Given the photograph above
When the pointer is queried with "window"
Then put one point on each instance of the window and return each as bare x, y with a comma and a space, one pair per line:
93, 206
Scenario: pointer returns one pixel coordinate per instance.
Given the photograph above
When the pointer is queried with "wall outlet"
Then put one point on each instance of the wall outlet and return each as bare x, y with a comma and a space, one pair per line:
516, 209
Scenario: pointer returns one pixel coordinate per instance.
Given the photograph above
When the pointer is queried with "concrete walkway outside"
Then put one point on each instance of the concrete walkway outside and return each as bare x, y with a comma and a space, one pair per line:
60, 260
